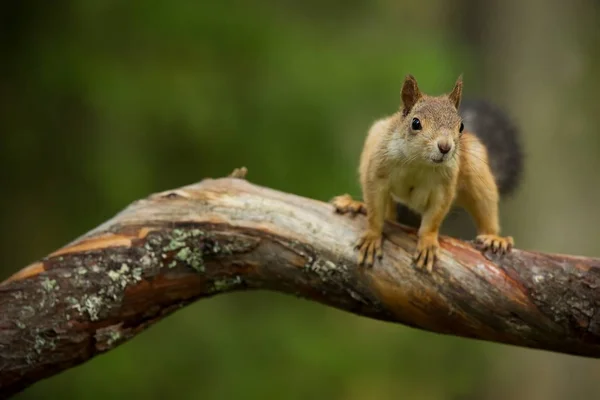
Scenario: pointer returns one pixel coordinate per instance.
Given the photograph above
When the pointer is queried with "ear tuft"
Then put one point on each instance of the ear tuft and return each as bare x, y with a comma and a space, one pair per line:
410, 94
456, 94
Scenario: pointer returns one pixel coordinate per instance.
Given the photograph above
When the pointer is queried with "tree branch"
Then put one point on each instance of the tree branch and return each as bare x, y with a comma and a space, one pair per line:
221, 235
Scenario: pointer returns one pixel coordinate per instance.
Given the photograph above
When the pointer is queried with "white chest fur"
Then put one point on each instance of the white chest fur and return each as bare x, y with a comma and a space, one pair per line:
414, 186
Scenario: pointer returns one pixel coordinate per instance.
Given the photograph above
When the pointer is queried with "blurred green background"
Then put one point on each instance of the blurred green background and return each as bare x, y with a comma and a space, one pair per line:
103, 102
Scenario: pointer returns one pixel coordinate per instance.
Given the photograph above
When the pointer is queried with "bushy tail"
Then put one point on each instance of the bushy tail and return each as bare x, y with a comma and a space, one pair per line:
501, 138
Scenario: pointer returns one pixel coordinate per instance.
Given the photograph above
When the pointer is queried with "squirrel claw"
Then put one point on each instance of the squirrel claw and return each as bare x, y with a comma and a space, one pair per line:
369, 246
346, 204
426, 254
497, 244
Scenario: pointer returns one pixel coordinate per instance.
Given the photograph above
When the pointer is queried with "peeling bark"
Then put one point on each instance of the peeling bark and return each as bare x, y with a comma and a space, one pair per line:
172, 248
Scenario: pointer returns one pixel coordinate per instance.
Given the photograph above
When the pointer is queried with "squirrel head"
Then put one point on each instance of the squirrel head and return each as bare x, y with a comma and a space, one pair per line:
430, 126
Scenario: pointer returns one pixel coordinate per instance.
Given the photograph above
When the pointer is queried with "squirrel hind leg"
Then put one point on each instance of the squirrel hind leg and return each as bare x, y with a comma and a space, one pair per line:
345, 204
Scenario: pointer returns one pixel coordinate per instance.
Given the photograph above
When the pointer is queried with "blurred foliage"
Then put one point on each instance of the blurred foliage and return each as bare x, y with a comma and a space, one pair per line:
104, 102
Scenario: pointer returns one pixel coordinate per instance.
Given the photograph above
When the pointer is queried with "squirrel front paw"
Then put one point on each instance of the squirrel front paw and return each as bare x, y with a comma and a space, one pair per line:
497, 244
427, 252
369, 246
346, 204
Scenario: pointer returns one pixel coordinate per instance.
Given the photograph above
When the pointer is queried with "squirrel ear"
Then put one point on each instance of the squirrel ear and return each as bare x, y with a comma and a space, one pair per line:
456, 93
410, 93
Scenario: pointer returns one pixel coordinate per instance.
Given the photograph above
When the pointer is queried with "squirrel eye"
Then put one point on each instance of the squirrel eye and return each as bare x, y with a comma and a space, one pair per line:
462, 127
416, 124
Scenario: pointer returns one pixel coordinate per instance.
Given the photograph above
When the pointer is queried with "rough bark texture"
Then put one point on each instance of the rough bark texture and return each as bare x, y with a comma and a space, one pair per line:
220, 235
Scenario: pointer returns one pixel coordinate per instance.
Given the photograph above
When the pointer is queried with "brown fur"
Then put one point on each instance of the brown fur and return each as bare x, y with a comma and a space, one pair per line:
399, 164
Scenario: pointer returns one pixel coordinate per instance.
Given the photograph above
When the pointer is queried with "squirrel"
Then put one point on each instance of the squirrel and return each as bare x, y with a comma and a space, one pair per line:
420, 161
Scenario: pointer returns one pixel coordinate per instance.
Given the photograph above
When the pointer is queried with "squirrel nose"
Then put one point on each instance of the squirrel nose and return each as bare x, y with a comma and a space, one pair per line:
444, 147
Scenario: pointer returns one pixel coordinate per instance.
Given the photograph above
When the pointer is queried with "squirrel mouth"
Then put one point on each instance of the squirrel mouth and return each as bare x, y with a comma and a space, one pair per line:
439, 160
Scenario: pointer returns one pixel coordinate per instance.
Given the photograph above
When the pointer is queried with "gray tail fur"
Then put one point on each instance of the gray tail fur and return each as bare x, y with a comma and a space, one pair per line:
501, 138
